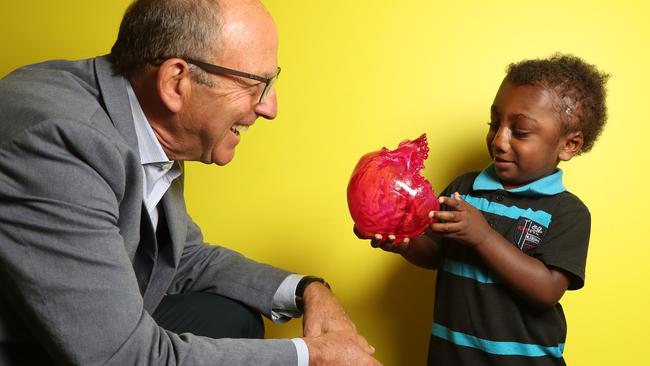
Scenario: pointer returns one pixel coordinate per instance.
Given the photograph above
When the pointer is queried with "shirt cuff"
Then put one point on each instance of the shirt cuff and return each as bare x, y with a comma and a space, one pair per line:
284, 300
302, 350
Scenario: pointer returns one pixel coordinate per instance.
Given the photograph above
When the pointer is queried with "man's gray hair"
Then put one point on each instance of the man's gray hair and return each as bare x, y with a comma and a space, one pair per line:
154, 30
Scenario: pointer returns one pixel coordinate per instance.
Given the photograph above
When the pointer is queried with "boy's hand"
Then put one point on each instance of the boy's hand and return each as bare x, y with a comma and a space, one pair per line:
463, 222
388, 244
420, 250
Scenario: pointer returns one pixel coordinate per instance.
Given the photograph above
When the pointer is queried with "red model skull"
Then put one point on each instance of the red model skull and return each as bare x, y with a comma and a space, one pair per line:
388, 196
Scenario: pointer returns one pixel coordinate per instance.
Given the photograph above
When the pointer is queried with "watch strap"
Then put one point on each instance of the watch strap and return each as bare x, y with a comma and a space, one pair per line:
302, 285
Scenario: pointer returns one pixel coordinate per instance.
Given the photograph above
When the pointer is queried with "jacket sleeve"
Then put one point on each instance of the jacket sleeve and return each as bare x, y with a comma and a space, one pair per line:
211, 268
64, 266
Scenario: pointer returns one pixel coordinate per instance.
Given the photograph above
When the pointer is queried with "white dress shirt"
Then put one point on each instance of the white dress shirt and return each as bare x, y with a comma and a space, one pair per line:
159, 173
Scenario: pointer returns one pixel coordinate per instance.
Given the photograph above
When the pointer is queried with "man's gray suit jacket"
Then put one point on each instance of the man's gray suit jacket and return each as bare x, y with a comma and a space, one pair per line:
72, 218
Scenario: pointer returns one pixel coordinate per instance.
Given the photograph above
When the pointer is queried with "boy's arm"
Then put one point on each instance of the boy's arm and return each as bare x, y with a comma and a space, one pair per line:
527, 276
421, 251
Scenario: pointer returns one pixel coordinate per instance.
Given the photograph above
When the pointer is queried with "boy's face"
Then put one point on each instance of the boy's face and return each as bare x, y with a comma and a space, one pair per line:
525, 138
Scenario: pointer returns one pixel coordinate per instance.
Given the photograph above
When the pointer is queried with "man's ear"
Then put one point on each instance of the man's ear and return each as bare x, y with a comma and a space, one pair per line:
571, 145
173, 83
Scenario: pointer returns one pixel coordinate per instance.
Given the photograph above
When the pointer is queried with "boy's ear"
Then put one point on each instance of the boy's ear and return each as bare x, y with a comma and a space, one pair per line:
571, 145
173, 83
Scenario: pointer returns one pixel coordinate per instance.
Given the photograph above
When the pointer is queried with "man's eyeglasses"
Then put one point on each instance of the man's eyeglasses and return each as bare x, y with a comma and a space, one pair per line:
214, 69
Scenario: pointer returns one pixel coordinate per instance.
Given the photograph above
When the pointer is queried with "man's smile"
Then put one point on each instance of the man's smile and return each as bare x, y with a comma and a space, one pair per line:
236, 129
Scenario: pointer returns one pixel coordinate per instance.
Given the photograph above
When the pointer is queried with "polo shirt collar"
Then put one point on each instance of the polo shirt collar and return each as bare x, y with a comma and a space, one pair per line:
549, 185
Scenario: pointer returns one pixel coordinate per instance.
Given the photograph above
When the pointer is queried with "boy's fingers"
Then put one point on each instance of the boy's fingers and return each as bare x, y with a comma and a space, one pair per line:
443, 227
376, 241
457, 200
446, 201
379, 241
390, 243
446, 215
398, 246
452, 202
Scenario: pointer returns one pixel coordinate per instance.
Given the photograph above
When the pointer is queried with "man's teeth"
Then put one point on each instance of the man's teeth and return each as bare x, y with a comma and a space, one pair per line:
236, 129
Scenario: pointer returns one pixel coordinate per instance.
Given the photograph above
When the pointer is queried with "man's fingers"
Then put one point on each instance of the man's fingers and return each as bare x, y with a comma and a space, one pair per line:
340, 349
310, 331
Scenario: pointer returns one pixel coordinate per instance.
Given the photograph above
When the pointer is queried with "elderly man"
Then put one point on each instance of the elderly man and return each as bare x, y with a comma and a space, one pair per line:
100, 263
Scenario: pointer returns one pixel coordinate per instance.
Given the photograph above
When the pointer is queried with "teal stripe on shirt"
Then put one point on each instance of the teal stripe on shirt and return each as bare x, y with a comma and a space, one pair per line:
466, 270
541, 217
494, 347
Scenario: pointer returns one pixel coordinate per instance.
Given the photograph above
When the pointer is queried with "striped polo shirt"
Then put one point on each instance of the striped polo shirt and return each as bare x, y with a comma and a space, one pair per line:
477, 319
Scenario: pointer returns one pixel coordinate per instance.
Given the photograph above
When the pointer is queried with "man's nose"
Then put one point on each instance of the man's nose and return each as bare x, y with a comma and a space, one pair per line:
268, 109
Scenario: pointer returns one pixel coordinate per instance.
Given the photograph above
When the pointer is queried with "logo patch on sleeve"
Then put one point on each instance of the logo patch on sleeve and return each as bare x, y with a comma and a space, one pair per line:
528, 234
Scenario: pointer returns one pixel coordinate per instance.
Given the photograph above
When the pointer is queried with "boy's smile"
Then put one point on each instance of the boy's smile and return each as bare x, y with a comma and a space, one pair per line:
526, 139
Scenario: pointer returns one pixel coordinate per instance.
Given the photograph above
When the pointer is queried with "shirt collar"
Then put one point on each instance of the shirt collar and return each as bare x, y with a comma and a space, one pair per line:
546, 186
151, 152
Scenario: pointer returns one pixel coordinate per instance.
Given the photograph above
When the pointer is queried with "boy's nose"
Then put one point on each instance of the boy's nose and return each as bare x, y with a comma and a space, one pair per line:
500, 140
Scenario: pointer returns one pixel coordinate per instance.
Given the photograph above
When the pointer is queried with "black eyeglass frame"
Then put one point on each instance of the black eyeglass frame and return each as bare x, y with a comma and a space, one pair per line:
216, 69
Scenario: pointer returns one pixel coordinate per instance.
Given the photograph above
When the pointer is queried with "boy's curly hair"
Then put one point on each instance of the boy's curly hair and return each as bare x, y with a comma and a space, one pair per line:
578, 89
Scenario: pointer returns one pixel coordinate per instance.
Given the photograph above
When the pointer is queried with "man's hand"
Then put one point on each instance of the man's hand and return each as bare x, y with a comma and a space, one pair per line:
463, 222
340, 348
323, 312
330, 334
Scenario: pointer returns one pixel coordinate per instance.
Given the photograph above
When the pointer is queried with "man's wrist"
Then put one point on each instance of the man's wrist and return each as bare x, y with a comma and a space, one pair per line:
302, 285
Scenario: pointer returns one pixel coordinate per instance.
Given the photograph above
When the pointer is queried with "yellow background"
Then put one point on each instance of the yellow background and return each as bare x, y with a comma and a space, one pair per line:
358, 75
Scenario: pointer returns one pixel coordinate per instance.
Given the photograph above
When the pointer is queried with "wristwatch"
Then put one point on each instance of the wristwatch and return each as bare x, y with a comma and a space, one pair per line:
302, 285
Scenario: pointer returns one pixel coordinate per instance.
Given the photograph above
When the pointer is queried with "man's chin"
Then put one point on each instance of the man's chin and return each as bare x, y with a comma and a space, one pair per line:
222, 158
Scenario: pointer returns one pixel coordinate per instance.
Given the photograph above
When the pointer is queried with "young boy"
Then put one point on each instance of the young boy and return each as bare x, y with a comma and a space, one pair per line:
511, 240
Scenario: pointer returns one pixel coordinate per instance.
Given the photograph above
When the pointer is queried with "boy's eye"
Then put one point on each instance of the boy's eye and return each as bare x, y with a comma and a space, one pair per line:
493, 125
520, 133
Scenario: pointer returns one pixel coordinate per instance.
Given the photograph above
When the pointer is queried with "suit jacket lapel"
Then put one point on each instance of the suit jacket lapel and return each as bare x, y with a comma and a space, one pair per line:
116, 100
177, 222
146, 254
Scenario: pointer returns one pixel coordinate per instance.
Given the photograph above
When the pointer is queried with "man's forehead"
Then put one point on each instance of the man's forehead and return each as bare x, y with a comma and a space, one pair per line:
249, 41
